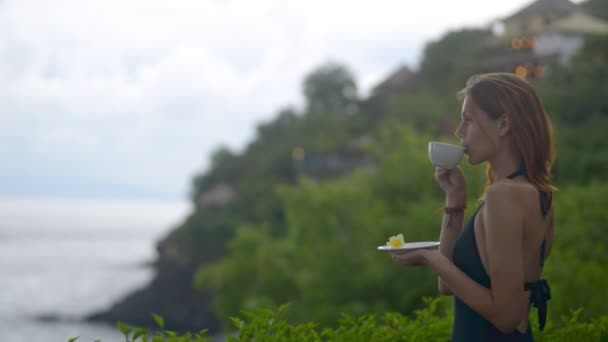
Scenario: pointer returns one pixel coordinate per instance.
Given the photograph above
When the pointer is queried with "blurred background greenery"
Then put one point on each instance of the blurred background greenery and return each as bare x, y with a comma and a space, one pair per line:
296, 217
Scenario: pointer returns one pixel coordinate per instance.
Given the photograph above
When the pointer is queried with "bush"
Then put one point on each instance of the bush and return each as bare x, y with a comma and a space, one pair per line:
432, 323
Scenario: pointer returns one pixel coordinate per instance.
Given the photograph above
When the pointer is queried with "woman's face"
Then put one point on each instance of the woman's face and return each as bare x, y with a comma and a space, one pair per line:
477, 133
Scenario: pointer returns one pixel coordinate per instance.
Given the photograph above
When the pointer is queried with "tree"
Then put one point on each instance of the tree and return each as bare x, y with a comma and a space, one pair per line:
330, 89
598, 8
449, 61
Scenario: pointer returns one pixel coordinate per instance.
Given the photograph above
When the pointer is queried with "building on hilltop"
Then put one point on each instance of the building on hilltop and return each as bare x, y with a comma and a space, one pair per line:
537, 17
565, 37
218, 196
354, 156
398, 81
544, 32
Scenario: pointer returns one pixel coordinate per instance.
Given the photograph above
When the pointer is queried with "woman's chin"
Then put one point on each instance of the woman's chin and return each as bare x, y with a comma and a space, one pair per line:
472, 161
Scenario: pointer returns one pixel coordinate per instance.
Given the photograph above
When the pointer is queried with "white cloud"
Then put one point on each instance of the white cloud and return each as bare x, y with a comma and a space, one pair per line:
140, 92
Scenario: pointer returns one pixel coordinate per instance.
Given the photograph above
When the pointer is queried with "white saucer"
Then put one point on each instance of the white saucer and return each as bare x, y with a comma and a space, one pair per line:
410, 246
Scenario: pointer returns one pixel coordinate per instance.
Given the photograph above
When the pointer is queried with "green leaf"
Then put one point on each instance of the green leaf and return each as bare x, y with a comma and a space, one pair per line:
159, 321
283, 308
73, 339
123, 329
139, 332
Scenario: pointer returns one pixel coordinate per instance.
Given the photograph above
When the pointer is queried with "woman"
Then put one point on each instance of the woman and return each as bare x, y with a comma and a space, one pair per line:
493, 264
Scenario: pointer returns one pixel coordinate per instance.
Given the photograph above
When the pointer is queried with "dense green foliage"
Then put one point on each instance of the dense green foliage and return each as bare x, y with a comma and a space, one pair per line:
331, 90
447, 62
598, 8
432, 323
325, 259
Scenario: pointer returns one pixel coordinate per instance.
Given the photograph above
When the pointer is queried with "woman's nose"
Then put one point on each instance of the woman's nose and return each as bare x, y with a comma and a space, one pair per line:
458, 132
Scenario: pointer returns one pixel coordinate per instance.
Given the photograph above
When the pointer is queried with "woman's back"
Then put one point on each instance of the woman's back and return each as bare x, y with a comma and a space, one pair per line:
471, 255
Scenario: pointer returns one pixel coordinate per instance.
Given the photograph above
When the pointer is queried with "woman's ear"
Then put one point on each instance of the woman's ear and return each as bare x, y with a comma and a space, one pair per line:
504, 125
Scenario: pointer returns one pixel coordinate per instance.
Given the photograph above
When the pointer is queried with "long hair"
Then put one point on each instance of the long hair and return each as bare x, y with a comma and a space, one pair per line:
532, 137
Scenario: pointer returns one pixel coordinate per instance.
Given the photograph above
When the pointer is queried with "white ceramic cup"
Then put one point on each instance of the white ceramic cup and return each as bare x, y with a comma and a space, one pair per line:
445, 156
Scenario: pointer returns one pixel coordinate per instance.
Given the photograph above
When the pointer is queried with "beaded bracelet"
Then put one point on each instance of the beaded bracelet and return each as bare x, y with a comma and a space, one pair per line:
453, 210
450, 211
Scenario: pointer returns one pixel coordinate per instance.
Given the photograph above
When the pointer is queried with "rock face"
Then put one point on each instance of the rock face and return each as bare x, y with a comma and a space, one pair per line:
169, 295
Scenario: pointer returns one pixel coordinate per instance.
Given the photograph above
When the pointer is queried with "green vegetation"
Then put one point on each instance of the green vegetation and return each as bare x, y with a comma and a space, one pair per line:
432, 323
323, 257
289, 237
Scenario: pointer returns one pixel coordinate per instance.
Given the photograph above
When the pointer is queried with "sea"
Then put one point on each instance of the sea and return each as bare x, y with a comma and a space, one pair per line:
67, 258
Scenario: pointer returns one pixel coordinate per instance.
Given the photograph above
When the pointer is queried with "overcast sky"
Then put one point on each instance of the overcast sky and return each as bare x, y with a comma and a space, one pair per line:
127, 99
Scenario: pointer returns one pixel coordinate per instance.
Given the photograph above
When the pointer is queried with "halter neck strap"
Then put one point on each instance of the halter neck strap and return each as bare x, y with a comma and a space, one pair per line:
520, 172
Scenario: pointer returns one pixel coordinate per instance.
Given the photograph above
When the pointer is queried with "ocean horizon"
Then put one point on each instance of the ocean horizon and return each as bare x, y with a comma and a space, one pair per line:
68, 258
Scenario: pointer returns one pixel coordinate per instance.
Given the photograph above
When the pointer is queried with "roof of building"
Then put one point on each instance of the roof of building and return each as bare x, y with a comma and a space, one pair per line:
398, 80
217, 196
541, 7
580, 23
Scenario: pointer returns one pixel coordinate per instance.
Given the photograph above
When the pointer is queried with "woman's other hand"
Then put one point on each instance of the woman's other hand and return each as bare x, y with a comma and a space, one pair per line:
418, 257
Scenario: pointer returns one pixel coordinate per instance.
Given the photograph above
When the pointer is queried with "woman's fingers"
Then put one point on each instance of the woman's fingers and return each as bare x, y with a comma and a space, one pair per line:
441, 173
443, 178
411, 258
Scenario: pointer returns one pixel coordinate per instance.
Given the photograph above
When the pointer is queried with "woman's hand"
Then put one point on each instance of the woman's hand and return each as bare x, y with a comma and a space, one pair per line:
453, 183
419, 257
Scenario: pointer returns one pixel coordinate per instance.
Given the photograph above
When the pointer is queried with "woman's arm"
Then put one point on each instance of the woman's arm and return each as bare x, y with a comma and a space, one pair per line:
448, 236
453, 183
502, 304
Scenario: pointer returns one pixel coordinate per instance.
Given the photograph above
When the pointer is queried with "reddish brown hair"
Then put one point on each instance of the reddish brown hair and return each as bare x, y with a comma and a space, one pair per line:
532, 136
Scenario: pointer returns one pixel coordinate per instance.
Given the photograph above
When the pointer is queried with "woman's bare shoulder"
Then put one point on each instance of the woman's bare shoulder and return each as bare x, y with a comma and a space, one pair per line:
518, 189
512, 197
506, 190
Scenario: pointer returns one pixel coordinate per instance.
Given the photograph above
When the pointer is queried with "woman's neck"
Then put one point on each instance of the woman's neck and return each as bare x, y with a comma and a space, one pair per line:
504, 164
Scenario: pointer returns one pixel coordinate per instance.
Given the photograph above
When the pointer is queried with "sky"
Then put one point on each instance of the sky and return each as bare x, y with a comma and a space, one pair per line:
128, 99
